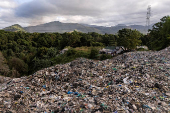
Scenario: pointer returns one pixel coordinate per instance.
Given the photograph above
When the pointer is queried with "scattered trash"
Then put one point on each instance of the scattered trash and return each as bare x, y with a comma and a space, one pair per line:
132, 82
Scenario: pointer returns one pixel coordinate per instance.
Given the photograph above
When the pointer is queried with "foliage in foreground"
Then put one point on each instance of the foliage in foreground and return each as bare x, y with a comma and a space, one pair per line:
159, 36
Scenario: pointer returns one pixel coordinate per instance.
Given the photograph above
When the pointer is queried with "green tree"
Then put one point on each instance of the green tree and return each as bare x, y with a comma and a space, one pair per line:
9, 52
71, 52
129, 38
42, 51
105, 56
64, 41
94, 52
52, 52
37, 64
42, 42
19, 65
57, 40
74, 39
159, 36
109, 40
83, 39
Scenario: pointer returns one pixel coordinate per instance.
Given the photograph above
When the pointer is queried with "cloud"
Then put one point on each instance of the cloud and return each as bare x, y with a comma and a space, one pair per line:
80, 11
99, 12
7, 4
95, 8
34, 8
56, 7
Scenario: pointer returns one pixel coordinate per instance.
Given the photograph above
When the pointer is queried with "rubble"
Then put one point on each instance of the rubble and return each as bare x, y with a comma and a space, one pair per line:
131, 82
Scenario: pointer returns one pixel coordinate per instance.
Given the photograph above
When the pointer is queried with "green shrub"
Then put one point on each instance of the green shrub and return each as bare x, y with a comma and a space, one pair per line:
71, 52
94, 52
141, 49
104, 57
19, 65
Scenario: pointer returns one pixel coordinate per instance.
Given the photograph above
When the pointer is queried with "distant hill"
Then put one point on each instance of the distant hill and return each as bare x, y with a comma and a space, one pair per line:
59, 27
15, 28
115, 29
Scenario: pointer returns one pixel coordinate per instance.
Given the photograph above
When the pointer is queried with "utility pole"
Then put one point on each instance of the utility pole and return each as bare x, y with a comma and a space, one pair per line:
148, 15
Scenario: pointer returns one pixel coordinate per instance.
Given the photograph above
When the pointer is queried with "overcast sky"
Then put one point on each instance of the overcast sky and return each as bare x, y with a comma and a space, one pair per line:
94, 12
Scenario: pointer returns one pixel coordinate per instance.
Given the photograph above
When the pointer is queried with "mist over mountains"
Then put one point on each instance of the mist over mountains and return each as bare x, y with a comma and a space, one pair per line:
59, 27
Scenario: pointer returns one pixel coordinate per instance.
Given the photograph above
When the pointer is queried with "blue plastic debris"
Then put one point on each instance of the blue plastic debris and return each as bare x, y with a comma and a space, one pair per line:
146, 106
69, 92
76, 93
44, 86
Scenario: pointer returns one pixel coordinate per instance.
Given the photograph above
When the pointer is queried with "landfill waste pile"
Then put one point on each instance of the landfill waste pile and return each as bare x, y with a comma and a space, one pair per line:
129, 83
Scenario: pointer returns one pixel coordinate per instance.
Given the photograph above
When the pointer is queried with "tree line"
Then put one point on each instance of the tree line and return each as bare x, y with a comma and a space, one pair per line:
28, 52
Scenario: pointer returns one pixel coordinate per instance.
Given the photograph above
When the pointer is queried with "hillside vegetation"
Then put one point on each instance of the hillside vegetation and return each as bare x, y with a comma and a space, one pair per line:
29, 52
26, 53
15, 28
4, 69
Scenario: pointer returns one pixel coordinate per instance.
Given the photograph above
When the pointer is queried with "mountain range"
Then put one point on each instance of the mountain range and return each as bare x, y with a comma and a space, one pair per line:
59, 27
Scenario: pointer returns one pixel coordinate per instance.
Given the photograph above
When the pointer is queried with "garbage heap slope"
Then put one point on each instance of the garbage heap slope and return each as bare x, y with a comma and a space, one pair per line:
131, 82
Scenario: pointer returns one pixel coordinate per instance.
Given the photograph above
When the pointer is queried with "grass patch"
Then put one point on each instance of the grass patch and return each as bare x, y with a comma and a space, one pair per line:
142, 49
69, 56
87, 49
85, 52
